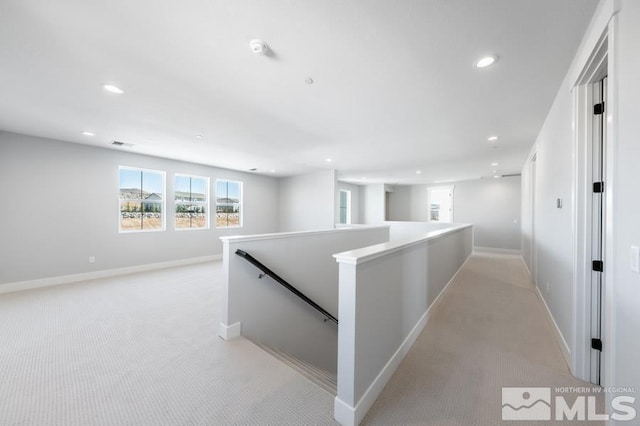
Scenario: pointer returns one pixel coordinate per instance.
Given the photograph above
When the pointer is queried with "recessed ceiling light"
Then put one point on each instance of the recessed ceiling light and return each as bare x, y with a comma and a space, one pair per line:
496, 176
86, 133
418, 172
328, 160
494, 164
309, 80
113, 89
487, 61
198, 136
273, 171
492, 138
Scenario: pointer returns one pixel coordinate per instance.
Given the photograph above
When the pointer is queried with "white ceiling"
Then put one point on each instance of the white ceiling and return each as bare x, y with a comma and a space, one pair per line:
395, 89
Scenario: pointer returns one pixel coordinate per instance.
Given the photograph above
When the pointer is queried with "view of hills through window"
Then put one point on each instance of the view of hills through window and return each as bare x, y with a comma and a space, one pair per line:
141, 199
228, 203
191, 194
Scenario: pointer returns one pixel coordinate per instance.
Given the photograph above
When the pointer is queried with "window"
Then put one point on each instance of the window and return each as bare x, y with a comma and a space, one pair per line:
228, 203
440, 204
141, 200
191, 195
345, 207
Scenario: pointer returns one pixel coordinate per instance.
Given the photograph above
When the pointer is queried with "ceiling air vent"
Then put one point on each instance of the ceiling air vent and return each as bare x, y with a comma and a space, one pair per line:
125, 144
253, 169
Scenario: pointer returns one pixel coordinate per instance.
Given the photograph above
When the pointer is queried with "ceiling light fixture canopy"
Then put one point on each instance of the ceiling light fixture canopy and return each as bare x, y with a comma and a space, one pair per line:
259, 47
87, 133
492, 138
487, 61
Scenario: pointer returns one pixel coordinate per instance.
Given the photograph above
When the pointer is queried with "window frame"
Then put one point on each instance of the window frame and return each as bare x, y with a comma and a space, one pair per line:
207, 203
347, 207
162, 203
240, 203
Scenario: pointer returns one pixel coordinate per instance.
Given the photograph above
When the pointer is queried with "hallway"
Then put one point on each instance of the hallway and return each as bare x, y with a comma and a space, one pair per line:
490, 330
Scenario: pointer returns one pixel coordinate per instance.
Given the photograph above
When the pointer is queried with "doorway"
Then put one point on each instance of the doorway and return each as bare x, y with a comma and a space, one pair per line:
598, 145
593, 200
440, 200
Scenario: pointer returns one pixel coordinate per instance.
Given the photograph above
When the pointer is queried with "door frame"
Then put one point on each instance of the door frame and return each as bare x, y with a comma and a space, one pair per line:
599, 64
449, 188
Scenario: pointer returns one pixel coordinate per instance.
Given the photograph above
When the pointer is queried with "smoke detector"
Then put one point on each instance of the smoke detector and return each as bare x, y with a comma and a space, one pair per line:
259, 47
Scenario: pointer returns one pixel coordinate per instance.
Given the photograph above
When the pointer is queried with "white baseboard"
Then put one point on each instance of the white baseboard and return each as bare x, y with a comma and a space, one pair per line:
105, 273
347, 415
494, 250
230, 332
564, 347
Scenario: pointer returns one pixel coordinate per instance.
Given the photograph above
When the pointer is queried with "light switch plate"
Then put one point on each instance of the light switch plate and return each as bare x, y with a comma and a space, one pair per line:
635, 259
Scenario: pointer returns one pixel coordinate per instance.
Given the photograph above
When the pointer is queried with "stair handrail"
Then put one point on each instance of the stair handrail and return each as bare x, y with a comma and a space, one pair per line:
266, 271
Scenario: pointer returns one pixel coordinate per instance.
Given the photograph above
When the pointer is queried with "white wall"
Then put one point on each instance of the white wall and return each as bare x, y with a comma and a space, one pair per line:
61, 206
554, 228
409, 230
270, 314
356, 217
493, 206
373, 197
386, 293
400, 203
307, 202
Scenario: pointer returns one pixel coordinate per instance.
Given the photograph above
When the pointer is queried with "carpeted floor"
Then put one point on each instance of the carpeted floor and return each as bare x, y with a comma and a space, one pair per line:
489, 331
143, 350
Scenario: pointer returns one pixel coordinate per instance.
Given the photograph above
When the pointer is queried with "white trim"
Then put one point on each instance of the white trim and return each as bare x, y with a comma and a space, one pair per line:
587, 68
564, 347
230, 332
495, 250
282, 235
105, 273
366, 254
347, 415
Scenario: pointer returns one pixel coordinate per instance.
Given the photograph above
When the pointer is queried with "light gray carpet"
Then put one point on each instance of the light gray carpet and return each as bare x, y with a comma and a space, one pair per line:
141, 350
490, 331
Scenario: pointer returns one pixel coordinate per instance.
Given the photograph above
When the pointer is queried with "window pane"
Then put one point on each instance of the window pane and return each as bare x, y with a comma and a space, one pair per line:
130, 184
141, 199
228, 203
182, 191
130, 215
192, 202
152, 185
151, 215
199, 191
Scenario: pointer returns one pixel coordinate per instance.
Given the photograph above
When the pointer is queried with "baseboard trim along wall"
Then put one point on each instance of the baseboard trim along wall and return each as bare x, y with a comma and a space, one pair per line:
230, 332
495, 250
564, 347
352, 416
105, 273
